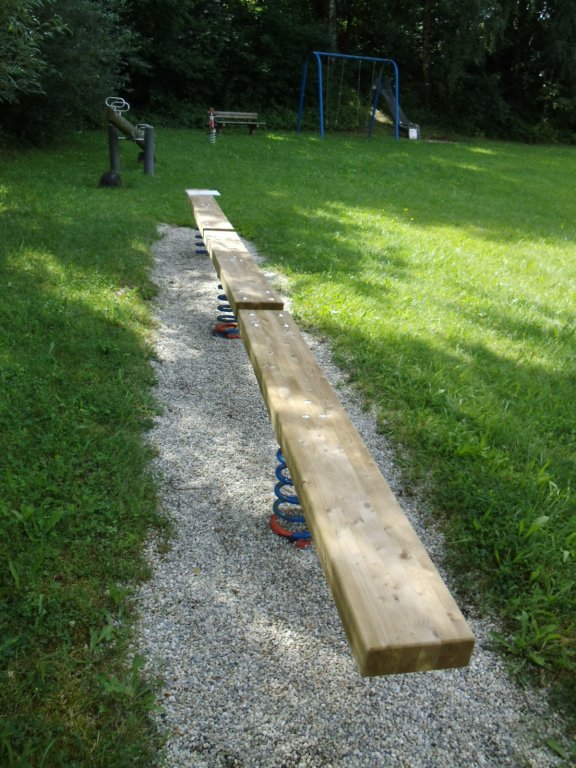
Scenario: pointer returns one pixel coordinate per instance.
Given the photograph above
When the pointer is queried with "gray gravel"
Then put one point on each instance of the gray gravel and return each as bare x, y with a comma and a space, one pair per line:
241, 626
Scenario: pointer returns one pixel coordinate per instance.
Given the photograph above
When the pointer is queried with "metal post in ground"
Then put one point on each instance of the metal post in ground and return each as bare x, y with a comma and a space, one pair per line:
149, 150
113, 149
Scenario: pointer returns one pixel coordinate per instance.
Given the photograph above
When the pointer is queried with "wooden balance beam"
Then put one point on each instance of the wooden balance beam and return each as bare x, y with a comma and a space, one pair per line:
207, 212
244, 283
395, 608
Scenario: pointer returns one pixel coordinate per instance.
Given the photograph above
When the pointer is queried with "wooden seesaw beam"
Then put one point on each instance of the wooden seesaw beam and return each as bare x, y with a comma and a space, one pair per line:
207, 212
396, 610
244, 283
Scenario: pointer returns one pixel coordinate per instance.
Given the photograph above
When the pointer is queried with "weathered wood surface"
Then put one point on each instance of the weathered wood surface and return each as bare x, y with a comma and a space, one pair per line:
244, 283
395, 608
208, 214
220, 114
223, 118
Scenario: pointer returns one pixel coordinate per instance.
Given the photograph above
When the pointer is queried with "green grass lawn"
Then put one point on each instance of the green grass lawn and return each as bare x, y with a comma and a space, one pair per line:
444, 276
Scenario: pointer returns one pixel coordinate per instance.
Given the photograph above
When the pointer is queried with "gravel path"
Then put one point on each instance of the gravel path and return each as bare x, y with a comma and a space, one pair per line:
241, 626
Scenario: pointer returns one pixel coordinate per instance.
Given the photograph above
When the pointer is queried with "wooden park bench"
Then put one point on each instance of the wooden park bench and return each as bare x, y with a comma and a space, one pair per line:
223, 119
396, 610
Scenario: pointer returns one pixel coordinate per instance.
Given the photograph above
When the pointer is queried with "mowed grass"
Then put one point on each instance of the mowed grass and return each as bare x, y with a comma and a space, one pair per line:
76, 494
444, 276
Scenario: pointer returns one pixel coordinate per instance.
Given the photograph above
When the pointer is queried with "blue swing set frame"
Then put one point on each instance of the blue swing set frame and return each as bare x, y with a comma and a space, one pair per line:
319, 55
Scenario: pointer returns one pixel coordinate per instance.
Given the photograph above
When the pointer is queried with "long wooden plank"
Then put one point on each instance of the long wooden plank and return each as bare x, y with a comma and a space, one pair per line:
207, 213
243, 281
395, 608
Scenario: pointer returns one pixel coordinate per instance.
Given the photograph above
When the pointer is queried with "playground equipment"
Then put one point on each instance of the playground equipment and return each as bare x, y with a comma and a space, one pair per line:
211, 126
142, 135
378, 65
411, 129
218, 119
227, 323
395, 608
287, 518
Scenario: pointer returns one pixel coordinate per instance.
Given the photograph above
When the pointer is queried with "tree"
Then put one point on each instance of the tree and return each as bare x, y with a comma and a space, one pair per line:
333, 26
72, 55
505, 67
224, 53
22, 34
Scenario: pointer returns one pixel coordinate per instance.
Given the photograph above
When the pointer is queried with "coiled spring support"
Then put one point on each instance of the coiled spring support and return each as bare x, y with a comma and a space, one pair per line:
287, 519
200, 247
226, 325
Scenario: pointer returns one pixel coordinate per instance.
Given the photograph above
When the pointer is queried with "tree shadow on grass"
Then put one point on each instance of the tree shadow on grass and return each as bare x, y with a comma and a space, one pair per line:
77, 499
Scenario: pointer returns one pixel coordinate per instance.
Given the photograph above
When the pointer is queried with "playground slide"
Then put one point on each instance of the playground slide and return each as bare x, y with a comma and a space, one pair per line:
411, 129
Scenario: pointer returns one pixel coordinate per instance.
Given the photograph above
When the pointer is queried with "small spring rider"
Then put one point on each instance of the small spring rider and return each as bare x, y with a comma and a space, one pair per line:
211, 126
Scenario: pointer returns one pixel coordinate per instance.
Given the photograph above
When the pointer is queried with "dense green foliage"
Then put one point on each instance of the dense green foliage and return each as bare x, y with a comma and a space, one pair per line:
71, 55
497, 67
21, 35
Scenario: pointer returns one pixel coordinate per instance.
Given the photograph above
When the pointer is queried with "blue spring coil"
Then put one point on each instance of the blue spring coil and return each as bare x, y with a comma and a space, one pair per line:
286, 507
226, 313
227, 324
201, 248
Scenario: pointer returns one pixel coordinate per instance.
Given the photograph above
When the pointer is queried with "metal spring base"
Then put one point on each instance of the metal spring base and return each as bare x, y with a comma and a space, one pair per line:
227, 325
201, 248
288, 520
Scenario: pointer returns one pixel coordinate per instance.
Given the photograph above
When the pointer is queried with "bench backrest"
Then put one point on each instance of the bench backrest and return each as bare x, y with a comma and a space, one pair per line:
236, 115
